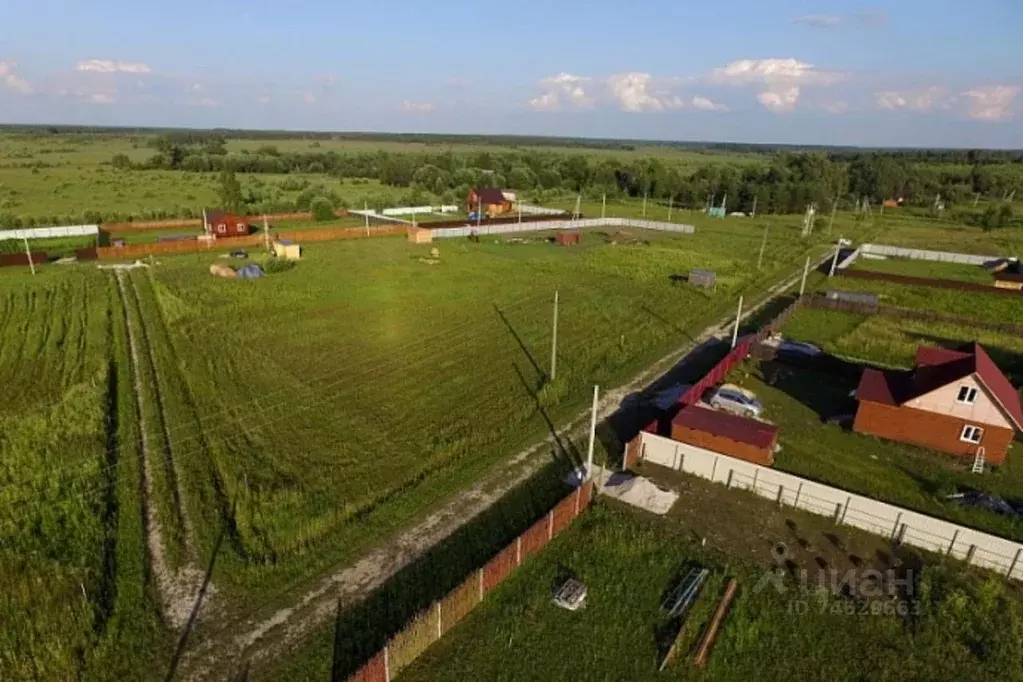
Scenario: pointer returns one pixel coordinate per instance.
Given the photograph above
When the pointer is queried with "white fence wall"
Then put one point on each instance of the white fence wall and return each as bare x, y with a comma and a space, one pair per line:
538, 210
380, 216
49, 232
893, 522
541, 226
922, 254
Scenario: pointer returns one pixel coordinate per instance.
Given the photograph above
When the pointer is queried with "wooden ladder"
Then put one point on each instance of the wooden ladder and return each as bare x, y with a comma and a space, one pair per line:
978, 461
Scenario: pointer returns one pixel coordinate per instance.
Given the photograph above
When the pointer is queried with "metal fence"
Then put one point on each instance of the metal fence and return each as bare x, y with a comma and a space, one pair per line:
923, 254
845, 508
824, 303
433, 622
544, 225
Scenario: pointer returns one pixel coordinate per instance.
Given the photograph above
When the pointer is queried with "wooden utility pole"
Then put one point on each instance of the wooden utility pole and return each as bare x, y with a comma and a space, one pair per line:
735, 331
28, 252
671, 202
365, 211
554, 340
266, 234
763, 245
593, 435
834, 261
644, 204
603, 206
806, 271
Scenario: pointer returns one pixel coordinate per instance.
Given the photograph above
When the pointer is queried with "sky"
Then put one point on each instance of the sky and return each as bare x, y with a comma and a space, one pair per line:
937, 73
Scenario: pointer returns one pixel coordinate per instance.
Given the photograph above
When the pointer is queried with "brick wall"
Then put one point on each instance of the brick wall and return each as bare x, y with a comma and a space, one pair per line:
726, 446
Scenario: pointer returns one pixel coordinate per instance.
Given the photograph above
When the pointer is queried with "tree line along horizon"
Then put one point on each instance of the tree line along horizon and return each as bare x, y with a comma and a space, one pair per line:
784, 182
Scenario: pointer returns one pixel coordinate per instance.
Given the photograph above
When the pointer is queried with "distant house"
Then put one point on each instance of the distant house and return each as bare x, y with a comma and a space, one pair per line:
223, 224
492, 201
729, 434
955, 401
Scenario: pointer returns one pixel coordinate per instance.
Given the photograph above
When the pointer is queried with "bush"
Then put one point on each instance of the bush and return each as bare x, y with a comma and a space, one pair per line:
322, 209
275, 265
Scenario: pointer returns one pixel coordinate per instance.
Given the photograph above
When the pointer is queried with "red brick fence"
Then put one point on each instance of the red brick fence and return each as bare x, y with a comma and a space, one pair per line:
437, 619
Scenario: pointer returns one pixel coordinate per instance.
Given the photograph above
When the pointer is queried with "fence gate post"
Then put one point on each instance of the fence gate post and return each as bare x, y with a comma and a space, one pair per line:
387, 662
895, 528
714, 469
518, 551
728, 483
481, 583
440, 631
550, 525
1015, 560
798, 491
578, 496
845, 509
756, 475
781, 494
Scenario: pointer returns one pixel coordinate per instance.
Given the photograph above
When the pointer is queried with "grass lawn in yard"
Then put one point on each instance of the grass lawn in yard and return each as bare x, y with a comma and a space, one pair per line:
960, 272
800, 400
628, 561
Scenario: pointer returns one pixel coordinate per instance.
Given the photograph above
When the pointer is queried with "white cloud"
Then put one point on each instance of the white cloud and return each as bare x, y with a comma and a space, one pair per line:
13, 81
922, 99
562, 87
780, 79
207, 103
263, 99
705, 104
632, 92
818, 20
107, 66
309, 98
102, 98
780, 101
991, 102
410, 107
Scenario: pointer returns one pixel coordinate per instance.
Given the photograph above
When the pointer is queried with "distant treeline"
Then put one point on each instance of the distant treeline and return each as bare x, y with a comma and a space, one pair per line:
783, 183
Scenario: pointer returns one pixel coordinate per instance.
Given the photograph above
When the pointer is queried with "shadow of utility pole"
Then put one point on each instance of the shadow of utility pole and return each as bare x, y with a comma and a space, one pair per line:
565, 447
541, 374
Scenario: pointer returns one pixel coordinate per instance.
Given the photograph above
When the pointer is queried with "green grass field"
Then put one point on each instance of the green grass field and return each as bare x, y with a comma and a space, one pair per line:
919, 268
628, 561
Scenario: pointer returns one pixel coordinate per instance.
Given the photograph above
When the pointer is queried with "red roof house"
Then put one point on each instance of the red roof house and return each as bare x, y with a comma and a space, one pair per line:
491, 200
729, 434
955, 401
223, 224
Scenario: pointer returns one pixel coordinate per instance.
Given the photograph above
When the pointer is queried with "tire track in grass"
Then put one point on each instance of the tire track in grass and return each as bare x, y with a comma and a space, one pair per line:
178, 590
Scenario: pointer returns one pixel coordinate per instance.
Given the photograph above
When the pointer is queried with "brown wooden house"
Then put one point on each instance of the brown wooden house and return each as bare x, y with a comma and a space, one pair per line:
492, 201
955, 401
222, 224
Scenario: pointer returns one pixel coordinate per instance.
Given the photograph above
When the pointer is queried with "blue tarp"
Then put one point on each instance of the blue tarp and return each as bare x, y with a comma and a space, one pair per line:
250, 271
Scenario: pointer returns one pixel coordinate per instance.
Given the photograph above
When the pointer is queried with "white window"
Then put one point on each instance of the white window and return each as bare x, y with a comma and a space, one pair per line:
221, 228
967, 394
971, 434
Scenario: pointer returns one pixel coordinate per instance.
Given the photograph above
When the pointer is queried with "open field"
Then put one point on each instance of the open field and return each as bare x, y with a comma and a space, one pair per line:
628, 561
301, 417
921, 268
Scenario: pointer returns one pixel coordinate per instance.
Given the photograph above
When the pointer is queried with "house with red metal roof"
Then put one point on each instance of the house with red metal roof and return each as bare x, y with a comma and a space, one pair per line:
955, 401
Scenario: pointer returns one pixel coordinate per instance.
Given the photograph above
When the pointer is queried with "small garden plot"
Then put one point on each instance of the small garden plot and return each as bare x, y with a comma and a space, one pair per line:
801, 402
629, 563
960, 272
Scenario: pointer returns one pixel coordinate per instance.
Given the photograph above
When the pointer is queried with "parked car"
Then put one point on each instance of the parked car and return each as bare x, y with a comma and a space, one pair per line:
732, 400
799, 348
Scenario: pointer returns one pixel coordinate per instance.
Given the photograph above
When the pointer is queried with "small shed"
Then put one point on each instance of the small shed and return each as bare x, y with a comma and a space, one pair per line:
287, 250
703, 278
857, 297
1009, 280
223, 224
567, 238
418, 235
729, 434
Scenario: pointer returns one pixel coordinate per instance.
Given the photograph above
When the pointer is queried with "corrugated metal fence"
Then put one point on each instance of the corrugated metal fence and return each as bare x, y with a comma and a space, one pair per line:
431, 624
845, 508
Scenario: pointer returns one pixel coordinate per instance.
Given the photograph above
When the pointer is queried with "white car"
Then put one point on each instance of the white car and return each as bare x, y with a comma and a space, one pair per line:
735, 401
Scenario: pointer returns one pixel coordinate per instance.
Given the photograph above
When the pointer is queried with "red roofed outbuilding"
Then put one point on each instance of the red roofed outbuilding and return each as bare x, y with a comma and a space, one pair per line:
955, 401
729, 434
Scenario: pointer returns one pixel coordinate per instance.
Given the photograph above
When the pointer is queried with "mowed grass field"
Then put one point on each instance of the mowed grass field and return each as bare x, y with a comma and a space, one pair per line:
629, 561
920, 268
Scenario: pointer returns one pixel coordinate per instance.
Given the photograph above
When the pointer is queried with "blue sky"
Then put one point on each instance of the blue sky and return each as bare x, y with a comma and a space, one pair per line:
938, 73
